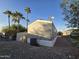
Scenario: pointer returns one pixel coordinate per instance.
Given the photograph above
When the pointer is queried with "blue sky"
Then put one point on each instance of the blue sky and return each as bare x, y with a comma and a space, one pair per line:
39, 9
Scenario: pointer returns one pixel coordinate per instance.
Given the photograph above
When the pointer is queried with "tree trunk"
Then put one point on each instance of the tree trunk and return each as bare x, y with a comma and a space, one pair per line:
27, 22
9, 21
18, 27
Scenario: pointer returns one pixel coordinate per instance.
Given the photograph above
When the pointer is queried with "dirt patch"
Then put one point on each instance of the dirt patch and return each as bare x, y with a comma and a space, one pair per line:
17, 50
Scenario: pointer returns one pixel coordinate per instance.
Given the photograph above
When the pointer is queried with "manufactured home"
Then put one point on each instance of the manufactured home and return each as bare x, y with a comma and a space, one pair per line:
41, 32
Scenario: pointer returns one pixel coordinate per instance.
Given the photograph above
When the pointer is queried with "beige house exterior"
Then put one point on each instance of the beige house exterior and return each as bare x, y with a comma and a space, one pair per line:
43, 30
0, 29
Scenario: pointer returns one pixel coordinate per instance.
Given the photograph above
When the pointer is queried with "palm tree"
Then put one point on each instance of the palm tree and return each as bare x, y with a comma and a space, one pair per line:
27, 10
16, 17
9, 13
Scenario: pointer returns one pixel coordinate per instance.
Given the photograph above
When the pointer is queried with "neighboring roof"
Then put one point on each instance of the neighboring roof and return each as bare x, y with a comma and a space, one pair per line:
43, 28
67, 32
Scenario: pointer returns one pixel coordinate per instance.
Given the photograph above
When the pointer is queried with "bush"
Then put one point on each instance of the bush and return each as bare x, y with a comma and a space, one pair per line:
11, 33
60, 33
75, 37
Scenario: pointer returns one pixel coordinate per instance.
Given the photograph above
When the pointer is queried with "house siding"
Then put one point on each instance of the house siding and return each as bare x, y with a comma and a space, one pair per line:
45, 42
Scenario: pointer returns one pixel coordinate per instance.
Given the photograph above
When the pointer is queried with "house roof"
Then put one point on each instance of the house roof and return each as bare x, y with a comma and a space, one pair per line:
42, 28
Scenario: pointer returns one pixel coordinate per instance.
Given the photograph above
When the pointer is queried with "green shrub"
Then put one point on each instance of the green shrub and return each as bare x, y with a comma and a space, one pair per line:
75, 37
13, 30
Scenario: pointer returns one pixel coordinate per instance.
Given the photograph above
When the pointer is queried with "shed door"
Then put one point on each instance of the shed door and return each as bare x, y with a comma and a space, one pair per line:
33, 41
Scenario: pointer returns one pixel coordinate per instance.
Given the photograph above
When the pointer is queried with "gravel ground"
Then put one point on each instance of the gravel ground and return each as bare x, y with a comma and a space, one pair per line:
18, 50
63, 42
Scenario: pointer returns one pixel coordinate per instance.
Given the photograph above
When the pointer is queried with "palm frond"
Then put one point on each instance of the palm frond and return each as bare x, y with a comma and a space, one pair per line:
27, 9
7, 12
